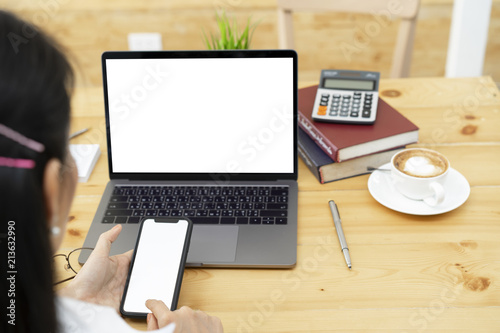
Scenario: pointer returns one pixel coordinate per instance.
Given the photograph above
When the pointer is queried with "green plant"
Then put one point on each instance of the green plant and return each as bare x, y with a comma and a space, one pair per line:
229, 37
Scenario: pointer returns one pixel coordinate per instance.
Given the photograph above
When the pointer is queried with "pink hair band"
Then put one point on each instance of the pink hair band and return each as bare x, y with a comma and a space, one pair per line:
18, 163
21, 139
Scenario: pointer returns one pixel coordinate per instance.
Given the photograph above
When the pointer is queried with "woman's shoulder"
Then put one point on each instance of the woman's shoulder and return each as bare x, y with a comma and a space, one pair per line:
77, 316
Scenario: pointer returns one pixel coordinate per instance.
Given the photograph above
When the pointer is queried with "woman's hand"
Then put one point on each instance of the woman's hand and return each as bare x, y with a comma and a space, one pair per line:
102, 279
185, 319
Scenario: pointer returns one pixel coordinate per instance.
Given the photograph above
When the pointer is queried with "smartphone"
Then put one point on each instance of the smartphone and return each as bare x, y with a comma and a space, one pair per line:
157, 265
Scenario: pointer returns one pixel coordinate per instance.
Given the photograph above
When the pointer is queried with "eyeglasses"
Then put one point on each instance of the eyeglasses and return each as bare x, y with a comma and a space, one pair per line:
70, 263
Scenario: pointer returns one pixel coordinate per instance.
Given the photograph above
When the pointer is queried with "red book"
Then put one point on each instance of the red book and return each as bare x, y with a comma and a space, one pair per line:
345, 141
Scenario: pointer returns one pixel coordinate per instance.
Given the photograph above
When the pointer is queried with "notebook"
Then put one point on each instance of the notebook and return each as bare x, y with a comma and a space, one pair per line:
85, 156
208, 135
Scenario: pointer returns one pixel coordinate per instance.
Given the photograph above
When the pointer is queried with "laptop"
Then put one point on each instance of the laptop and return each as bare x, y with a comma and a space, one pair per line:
207, 135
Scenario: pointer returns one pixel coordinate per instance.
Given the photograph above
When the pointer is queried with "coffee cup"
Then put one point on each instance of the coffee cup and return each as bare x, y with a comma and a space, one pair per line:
419, 174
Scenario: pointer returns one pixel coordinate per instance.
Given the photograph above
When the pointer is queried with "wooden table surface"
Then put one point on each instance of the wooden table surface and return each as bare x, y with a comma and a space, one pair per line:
410, 273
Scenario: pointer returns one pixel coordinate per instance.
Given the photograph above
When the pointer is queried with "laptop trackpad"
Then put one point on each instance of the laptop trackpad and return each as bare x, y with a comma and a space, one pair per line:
212, 244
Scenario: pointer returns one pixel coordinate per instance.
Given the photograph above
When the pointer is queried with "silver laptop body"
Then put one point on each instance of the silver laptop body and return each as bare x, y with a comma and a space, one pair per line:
222, 123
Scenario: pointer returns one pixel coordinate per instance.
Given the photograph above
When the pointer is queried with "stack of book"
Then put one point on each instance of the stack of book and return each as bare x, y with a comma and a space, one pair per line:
337, 151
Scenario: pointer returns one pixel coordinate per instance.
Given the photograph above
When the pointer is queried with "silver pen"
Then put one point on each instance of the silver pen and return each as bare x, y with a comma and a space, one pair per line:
340, 232
77, 133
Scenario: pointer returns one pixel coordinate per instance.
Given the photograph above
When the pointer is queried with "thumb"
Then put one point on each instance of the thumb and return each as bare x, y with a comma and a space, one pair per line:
106, 239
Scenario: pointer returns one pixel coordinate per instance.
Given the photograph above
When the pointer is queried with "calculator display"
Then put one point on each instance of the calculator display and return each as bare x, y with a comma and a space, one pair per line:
348, 84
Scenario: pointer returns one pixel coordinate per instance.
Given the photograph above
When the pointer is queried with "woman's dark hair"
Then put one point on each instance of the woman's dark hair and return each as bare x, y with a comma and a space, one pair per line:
35, 86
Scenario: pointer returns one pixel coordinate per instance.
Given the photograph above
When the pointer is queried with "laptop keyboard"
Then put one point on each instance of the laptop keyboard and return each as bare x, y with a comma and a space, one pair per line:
202, 204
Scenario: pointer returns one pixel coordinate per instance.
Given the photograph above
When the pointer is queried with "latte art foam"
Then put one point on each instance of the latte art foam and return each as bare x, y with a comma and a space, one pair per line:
422, 166
420, 163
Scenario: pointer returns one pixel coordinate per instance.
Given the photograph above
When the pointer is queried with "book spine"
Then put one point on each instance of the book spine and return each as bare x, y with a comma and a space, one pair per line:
315, 169
322, 142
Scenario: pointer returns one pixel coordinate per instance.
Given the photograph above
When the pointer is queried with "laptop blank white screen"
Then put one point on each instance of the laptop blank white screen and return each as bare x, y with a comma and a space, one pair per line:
217, 115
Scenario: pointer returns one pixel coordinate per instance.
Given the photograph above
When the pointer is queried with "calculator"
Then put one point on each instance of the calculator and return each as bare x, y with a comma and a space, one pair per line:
347, 96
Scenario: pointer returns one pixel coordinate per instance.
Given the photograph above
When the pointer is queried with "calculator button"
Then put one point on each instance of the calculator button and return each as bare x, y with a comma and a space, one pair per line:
354, 114
325, 95
334, 113
366, 114
322, 111
323, 103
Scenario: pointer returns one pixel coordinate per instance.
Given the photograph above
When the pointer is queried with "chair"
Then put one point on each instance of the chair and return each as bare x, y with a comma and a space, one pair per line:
406, 10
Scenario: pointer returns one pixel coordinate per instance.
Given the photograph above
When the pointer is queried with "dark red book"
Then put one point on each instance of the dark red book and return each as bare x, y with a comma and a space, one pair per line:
345, 141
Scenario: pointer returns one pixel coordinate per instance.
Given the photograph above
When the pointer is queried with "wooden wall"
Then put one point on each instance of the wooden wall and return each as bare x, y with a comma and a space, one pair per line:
89, 27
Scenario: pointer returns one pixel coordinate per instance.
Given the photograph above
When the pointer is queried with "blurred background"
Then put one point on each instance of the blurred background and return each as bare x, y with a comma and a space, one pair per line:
87, 28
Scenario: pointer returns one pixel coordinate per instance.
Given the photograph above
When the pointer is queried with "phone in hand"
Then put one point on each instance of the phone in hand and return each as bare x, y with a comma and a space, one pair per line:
157, 265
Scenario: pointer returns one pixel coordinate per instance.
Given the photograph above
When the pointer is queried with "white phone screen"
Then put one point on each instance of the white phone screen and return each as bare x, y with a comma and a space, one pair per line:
156, 264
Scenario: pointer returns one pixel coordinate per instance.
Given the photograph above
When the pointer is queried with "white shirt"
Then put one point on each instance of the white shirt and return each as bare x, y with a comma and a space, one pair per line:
76, 316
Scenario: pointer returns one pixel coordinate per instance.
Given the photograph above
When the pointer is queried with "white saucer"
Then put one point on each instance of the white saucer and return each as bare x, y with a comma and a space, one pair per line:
381, 187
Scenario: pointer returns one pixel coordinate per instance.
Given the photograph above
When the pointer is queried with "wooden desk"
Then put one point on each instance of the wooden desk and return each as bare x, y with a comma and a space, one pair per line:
410, 273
